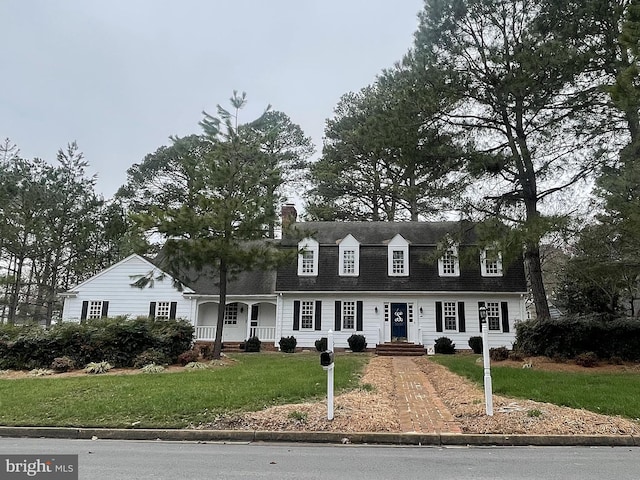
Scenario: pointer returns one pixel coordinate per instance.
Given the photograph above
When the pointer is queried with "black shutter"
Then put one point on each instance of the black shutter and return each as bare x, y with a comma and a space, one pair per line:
254, 312
296, 315
105, 309
337, 324
359, 326
152, 310
505, 317
318, 319
172, 310
85, 309
480, 305
462, 325
438, 316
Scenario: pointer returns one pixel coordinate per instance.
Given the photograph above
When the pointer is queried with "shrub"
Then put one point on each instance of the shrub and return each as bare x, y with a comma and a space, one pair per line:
572, 335
41, 372
357, 343
587, 359
476, 344
196, 366
321, 344
150, 356
153, 368
98, 367
252, 344
288, 344
189, 356
62, 364
444, 345
499, 354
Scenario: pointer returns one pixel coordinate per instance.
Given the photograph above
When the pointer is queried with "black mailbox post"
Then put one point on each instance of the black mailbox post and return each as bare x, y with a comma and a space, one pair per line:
326, 358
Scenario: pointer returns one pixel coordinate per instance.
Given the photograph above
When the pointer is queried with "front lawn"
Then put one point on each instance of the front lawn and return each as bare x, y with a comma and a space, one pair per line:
173, 400
606, 393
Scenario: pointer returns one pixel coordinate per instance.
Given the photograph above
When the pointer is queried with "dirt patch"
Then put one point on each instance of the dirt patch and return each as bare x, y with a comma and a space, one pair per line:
511, 416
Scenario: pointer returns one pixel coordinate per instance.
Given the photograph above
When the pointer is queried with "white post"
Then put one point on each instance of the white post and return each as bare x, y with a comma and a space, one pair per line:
330, 378
488, 397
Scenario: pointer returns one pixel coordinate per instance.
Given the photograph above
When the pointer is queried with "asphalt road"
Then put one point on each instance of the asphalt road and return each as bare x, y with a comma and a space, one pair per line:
132, 460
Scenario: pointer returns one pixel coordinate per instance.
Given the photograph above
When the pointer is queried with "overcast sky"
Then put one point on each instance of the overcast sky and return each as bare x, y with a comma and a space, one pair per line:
121, 76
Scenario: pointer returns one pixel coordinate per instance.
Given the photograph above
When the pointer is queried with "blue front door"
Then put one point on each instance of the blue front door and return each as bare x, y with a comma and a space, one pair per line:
398, 322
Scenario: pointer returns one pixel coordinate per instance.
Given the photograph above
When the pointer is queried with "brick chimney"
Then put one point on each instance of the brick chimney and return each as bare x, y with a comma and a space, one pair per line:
289, 215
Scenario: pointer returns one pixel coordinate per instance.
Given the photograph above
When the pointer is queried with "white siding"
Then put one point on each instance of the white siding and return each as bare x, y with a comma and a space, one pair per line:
114, 285
422, 330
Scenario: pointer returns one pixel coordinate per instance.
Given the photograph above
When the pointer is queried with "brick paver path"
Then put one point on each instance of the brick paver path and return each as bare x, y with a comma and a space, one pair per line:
419, 407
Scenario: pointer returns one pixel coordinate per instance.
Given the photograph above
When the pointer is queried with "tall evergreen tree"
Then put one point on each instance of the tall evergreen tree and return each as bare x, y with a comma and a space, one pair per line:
224, 217
519, 103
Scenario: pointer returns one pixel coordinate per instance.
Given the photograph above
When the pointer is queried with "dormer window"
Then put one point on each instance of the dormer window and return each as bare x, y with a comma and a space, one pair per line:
491, 262
398, 257
349, 251
448, 264
308, 257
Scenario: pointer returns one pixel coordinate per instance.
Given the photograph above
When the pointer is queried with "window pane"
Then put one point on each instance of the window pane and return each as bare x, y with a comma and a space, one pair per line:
231, 314
307, 261
95, 309
349, 261
397, 265
450, 316
493, 315
306, 315
162, 310
348, 315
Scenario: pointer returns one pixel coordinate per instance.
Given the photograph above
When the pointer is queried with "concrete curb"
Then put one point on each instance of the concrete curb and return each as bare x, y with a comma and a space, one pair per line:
384, 438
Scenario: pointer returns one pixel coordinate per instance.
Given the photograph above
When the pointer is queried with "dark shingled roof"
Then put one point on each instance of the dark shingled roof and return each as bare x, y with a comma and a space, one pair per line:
423, 267
380, 233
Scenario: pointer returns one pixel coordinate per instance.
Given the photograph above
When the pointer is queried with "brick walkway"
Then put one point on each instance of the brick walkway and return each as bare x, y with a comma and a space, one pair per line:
420, 409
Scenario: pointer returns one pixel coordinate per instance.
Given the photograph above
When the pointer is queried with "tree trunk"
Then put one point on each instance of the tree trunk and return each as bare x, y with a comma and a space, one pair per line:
534, 272
217, 346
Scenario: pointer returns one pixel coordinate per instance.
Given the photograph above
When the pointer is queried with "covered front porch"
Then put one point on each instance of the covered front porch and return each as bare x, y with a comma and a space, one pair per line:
242, 320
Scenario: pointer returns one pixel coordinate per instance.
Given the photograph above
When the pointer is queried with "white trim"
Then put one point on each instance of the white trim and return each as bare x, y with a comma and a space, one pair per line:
349, 243
453, 251
308, 245
483, 263
74, 291
398, 244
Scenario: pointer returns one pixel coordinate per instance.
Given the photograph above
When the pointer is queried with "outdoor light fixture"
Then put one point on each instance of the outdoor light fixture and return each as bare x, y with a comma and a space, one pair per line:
375, 309
488, 396
421, 312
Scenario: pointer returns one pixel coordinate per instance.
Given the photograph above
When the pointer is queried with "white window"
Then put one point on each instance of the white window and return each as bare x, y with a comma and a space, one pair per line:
95, 309
348, 315
163, 310
398, 257
308, 257
397, 265
450, 315
491, 262
448, 263
493, 316
306, 314
349, 260
231, 314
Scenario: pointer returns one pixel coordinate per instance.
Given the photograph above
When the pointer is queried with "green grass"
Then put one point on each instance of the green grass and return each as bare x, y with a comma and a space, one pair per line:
606, 393
173, 400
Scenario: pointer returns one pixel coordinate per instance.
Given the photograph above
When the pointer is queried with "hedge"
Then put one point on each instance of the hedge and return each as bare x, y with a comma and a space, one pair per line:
573, 335
115, 340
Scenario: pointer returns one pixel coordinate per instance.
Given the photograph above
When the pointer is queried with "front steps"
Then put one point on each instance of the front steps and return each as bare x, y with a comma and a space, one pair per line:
400, 349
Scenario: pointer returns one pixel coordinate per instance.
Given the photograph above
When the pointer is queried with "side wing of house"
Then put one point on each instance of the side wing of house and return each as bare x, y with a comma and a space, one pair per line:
111, 293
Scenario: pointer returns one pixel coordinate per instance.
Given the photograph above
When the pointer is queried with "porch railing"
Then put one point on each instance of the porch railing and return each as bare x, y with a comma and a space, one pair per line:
265, 334
208, 333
